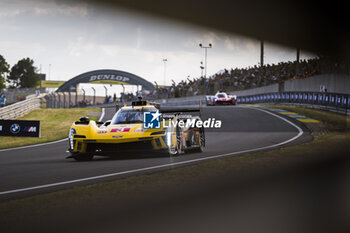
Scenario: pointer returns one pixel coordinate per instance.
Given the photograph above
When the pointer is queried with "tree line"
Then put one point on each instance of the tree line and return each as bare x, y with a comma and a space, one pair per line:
21, 75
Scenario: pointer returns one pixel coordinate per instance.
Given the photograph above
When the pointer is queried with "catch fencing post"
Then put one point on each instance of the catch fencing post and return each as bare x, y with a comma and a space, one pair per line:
64, 100
94, 101
76, 97
59, 99
69, 98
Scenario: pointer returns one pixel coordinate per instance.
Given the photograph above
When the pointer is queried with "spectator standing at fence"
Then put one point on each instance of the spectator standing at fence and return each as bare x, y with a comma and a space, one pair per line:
2, 101
110, 100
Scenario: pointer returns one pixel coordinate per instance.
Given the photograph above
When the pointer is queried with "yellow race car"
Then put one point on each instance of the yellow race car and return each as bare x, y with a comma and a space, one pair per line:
140, 128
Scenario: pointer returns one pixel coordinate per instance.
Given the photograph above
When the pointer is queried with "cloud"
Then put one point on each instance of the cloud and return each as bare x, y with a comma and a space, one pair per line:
42, 8
75, 37
79, 46
11, 13
41, 11
81, 10
19, 50
110, 50
229, 44
51, 8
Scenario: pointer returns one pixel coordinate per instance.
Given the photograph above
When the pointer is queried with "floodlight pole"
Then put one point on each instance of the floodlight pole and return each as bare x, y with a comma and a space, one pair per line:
205, 48
165, 60
261, 61
262, 53
205, 73
297, 65
202, 68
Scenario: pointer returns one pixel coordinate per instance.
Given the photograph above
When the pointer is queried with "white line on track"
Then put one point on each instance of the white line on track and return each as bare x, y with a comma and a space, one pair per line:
30, 146
47, 143
300, 132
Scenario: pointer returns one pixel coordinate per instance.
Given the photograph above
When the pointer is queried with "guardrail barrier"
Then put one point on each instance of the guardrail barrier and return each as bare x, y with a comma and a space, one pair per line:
330, 101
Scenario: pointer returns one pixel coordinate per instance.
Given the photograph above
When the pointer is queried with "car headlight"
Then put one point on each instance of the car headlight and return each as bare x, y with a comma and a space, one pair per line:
71, 133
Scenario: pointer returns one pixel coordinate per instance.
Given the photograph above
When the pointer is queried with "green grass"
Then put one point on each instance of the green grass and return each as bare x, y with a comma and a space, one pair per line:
54, 123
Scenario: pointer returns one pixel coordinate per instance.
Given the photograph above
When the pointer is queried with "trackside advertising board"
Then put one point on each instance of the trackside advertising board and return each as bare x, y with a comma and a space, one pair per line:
19, 128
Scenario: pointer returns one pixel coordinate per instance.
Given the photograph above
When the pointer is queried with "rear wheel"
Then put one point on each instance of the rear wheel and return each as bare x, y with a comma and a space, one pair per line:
201, 141
196, 144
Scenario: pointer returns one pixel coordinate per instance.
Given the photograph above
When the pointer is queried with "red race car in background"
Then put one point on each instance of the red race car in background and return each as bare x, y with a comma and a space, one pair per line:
221, 98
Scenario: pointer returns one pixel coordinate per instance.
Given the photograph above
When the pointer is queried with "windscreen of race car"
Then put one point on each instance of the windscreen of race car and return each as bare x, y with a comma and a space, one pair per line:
130, 116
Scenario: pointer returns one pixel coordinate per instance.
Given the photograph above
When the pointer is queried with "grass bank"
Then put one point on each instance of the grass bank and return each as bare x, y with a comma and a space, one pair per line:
54, 123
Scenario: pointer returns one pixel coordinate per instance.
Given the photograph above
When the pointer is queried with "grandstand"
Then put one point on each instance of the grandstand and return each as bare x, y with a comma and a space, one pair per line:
251, 77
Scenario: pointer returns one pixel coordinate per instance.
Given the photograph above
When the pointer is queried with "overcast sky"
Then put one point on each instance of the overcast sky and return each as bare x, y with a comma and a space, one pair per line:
76, 38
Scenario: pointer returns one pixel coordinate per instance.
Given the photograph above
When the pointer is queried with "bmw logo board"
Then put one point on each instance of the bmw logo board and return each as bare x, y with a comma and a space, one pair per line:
15, 128
19, 128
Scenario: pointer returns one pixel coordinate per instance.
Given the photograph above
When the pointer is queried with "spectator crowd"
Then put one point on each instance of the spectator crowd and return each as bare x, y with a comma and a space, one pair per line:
234, 80
251, 77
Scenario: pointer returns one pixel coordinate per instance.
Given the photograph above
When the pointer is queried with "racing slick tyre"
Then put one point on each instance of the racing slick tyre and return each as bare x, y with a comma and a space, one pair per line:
83, 157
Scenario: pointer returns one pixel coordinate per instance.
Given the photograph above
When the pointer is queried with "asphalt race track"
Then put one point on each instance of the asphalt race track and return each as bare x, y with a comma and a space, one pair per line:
32, 170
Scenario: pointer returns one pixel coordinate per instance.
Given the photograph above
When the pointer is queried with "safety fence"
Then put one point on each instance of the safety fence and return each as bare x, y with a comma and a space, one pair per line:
323, 100
328, 101
72, 100
19, 109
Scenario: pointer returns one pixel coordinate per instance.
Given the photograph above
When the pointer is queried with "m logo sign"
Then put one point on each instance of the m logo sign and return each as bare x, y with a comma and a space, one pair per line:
151, 120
